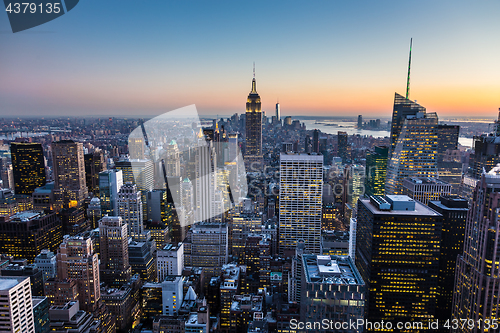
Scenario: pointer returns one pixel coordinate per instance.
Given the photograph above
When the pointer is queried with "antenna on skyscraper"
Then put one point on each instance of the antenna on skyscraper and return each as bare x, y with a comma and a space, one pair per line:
254, 69
408, 79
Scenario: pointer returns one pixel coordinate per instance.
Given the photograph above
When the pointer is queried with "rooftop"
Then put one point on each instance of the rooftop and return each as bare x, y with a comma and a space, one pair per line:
425, 180
25, 216
418, 210
338, 270
7, 283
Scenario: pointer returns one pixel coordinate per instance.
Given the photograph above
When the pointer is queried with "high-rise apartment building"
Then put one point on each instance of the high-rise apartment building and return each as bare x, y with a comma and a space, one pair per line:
301, 189
253, 150
110, 183
130, 209
76, 260
113, 250
28, 167
477, 282
69, 173
16, 307
414, 140
397, 254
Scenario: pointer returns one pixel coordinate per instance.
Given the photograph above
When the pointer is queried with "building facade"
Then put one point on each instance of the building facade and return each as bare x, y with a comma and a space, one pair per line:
300, 204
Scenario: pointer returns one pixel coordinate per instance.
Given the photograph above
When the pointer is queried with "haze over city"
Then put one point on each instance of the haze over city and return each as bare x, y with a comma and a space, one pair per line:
136, 58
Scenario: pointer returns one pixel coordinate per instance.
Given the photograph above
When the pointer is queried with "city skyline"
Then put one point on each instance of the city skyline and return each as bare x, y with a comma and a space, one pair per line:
324, 60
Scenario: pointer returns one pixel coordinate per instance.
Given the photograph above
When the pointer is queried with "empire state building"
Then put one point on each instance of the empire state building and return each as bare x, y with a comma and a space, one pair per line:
253, 151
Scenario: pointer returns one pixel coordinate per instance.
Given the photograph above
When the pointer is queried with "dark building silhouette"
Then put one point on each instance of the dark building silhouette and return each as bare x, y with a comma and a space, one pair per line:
315, 141
343, 147
447, 139
94, 163
26, 234
454, 210
28, 167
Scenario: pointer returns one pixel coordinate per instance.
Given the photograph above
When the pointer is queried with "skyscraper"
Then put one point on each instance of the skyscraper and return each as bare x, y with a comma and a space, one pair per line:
130, 209
28, 167
113, 249
486, 151
343, 148
17, 307
141, 173
476, 278
360, 121
94, 163
447, 139
69, 173
76, 260
376, 168
110, 183
402, 108
301, 189
454, 210
253, 151
397, 254
414, 141
278, 112
315, 141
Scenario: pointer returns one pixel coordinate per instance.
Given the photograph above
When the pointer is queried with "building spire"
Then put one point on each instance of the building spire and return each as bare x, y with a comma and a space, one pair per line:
254, 84
408, 79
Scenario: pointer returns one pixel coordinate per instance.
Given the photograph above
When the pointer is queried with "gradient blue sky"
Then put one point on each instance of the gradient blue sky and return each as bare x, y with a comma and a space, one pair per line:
146, 57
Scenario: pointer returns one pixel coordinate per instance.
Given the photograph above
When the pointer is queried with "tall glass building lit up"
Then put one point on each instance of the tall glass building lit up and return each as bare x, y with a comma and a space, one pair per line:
397, 254
414, 141
28, 167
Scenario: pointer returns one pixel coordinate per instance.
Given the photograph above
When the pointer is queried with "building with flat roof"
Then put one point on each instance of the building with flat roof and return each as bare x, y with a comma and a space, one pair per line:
170, 260
397, 254
425, 189
332, 289
26, 234
454, 210
16, 305
300, 204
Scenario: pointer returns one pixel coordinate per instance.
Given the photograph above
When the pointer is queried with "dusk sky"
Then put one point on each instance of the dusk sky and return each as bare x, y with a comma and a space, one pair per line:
325, 58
